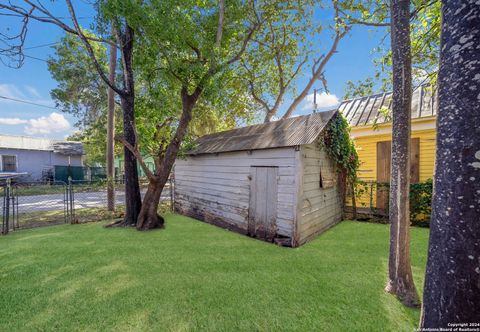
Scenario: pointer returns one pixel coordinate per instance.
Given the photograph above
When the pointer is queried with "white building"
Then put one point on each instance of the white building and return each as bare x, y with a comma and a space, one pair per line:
36, 158
271, 181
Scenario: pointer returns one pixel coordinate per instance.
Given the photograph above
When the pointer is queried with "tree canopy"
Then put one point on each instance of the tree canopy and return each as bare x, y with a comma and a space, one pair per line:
424, 34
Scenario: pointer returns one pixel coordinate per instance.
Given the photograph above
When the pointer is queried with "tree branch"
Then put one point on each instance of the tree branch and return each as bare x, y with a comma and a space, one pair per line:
297, 70
413, 15
221, 18
317, 70
90, 50
137, 155
50, 18
197, 52
245, 42
257, 98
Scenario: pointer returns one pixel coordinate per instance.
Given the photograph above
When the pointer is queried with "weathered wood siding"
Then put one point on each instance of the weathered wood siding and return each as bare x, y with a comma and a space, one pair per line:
216, 188
319, 208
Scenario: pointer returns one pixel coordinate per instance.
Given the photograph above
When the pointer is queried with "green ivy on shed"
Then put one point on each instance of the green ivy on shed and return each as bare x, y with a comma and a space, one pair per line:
340, 146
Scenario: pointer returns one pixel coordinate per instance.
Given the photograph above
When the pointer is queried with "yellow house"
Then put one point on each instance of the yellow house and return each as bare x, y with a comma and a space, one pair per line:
371, 130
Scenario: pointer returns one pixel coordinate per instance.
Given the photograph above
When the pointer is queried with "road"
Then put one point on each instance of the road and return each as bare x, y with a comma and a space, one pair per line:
54, 202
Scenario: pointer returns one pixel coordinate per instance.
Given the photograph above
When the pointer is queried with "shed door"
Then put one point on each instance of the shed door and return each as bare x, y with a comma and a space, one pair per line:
263, 202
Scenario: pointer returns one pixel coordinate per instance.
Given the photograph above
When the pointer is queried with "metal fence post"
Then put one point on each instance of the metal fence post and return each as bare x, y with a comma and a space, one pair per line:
71, 200
66, 209
7, 208
3, 211
171, 193
14, 208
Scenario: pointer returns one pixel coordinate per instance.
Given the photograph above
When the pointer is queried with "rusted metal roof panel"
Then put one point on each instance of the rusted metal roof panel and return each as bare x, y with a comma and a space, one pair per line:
287, 132
365, 110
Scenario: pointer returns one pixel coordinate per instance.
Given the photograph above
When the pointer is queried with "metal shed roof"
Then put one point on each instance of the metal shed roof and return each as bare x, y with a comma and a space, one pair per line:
287, 132
364, 110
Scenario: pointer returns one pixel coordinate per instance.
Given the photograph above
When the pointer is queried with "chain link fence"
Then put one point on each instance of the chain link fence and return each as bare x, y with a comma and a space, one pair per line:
33, 204
36, 204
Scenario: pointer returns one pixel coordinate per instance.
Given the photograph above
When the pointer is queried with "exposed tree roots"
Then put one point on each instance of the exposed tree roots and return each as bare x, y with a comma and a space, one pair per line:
150, 222
143, 224
407, 295
119, 223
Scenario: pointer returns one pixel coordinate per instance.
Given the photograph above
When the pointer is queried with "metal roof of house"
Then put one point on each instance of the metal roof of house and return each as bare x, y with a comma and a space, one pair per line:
68, 148
286, 132
364, 110
41, 144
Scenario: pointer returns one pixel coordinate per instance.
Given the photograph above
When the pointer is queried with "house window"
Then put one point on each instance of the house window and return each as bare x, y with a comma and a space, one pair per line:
9, 163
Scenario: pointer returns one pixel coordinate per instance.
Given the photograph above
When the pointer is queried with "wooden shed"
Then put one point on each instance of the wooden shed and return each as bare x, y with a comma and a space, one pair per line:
272, 181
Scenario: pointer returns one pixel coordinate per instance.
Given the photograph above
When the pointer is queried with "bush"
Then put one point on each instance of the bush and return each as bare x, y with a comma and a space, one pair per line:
421, 203
420, 200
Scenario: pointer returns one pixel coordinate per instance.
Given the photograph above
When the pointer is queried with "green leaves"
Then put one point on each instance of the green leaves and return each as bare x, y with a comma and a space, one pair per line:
279, 50
425, 36
80, 91
340, 147
358, 88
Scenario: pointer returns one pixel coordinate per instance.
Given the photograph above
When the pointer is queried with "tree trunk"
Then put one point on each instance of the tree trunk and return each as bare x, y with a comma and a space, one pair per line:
268, 117
452, 280
148, 218
270, 114
111, 132
400, 280
133, 200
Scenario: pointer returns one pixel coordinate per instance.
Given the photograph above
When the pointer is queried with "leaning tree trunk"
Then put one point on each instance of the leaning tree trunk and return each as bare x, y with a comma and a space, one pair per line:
148, 217
452, 280
400, 281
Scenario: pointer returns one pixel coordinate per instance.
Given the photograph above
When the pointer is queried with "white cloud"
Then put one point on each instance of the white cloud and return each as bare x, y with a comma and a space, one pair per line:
12, 121
323, 100
10, 91
55, 122
26, 93
32, 91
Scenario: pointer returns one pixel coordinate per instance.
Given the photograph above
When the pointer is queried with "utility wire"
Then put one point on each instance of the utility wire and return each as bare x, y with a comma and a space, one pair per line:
43, 45
28, 102
34, 58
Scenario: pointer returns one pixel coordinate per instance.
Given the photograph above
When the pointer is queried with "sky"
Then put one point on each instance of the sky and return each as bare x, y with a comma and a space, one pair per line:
33, 82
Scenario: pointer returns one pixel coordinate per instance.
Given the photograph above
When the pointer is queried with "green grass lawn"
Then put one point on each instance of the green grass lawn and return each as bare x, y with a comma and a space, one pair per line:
194, 276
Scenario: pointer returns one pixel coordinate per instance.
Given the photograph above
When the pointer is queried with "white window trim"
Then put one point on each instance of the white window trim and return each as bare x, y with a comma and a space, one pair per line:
9, 155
